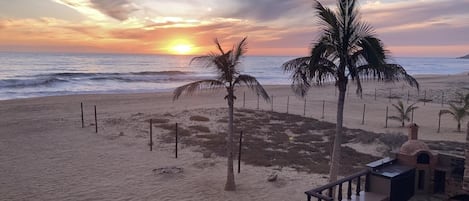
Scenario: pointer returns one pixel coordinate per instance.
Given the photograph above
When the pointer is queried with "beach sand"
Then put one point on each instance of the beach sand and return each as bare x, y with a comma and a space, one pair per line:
46, 155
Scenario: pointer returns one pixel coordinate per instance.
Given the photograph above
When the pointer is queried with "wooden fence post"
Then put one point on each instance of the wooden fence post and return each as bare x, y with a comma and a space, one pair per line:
375, 93
82, 120
95, 119
389, 97
288, 102
442, 98
239, 151
257, 101
467, 132
424, 97
304, 108
439, 121
272, 104
412, 118
151, 134
323, 104
176, 148
363, 117
244, 99
408, 96
386, 125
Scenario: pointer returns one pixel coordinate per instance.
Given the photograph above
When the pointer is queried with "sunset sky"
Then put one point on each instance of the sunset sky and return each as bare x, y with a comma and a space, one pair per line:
273, 27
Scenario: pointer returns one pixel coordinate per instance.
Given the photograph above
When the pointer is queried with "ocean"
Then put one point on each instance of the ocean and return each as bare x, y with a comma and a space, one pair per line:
24, 75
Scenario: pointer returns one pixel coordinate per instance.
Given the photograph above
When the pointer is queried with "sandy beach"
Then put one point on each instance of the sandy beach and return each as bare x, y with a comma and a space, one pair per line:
46, 155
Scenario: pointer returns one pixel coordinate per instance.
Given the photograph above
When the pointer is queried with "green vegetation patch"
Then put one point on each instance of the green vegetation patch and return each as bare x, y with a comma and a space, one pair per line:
199, 128
199, 118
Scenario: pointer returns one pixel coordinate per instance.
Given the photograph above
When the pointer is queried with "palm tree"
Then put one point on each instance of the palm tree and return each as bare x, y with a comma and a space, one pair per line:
226, 64
346, 49
458, 111
403, 112
463, 98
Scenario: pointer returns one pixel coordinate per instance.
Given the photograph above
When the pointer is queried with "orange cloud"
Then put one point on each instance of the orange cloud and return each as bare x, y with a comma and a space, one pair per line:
278, 28
54, 33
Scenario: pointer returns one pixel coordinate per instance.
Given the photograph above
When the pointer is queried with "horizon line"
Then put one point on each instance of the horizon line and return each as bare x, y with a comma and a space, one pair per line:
189, 55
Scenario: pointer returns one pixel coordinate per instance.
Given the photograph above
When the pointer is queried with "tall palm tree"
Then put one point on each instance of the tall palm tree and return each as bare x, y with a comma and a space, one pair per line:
226, 64
403, 112
346, 49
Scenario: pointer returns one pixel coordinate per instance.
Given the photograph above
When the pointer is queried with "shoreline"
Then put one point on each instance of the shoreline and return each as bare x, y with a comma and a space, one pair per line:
417, 76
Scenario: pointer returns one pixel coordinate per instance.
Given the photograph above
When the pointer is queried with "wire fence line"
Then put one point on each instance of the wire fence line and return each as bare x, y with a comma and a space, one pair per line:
369, 104
368, 109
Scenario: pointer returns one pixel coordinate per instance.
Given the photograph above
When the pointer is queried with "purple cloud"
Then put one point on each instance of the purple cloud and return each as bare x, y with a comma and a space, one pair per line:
117, 9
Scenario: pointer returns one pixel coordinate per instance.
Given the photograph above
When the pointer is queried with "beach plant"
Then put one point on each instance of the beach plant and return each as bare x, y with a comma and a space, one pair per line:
347, 48
458, 111
462, 98
226, 64
403, 112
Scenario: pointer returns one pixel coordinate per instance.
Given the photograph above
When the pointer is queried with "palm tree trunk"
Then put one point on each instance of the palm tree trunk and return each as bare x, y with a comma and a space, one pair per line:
230, 183
336, 152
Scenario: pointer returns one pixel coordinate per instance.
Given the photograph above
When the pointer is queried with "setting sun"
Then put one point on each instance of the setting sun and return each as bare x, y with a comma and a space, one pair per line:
182, 49
180, 46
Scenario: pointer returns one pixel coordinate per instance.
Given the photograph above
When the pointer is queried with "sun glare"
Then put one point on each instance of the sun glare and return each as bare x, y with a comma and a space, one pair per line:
180, 46
182, 49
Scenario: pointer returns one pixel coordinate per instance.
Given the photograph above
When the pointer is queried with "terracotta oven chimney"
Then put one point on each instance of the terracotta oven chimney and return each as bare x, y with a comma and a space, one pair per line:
413, 131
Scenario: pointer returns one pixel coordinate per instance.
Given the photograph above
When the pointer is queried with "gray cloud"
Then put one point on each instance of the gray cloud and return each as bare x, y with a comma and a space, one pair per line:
117, 9
416, 13
434, 35
265, 10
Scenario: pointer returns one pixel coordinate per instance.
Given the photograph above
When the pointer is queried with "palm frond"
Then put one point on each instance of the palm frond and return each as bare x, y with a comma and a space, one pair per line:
463, 99
224, 65
253, 84
204, 61
442, 112
240, 50
403, 111
193, 87
303, 73
458, 113
399, 107
373, 49
388, 72
453, 107
293, 64
359, 89
217, 43
348, 12
322, 50
299, 68
328, 18
410, 108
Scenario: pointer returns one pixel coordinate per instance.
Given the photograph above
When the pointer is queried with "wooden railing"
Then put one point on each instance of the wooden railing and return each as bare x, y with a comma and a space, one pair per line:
318, 192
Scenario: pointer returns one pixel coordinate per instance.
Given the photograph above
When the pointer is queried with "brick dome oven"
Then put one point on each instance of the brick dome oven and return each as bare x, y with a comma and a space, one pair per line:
415, 153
